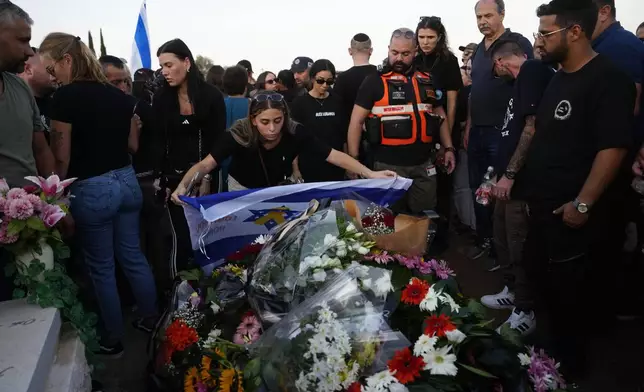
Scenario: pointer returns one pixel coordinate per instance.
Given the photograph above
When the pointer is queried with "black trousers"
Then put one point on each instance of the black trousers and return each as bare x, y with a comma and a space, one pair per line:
558, 259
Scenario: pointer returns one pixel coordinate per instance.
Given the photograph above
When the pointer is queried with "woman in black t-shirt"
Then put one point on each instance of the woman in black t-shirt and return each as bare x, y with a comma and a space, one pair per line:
264, 146
321, 112
92, 134
191, 115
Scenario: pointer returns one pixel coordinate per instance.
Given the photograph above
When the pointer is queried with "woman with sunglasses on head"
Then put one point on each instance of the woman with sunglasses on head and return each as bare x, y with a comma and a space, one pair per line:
320, 111
191, 115
263, 148
92, 134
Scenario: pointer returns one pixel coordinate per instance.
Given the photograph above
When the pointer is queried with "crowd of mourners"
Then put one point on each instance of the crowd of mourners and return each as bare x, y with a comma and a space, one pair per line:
553, 123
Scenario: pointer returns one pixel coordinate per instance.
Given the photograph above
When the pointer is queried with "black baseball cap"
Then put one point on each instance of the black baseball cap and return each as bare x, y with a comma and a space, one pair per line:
471, 46
247, 65
301, 64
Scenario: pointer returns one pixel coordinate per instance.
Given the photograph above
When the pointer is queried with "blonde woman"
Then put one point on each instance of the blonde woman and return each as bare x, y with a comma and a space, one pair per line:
92, 135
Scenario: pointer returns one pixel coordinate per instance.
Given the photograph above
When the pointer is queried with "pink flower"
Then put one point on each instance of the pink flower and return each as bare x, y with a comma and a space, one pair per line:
380, 258
245, 339
51, 186
35, 201
5, 238
51, 214
424, 267
3, 203
544, 372
16, 193
409, 262
249, 325
201, 387
20, 209
441, 269
4, 187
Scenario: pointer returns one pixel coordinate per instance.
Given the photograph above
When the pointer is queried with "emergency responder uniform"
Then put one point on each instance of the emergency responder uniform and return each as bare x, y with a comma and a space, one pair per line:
402, 131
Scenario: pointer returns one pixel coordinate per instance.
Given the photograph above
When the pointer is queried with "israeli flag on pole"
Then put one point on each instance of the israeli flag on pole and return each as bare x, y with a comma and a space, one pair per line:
223, 223
141, 57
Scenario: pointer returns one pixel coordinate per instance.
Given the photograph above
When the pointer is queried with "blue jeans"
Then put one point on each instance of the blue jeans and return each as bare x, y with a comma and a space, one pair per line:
482, 149
106, 210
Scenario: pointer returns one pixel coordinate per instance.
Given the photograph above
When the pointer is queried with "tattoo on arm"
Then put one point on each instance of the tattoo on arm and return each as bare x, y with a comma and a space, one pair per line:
520, 153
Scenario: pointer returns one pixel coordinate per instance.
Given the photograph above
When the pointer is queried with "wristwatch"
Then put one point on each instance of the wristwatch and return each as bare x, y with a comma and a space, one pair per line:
583, 208
450, 149
510, 175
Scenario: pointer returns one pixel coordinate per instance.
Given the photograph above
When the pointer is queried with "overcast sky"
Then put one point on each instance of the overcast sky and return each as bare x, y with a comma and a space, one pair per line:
271, 34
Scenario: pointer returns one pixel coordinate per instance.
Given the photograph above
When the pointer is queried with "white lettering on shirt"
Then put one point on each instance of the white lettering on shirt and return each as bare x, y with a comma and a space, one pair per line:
325, 114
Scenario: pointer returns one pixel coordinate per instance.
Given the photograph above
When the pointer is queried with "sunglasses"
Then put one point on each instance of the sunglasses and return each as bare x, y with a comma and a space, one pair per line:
268, 97
272, 81
430, 18
539, 35
329, 82
407, 34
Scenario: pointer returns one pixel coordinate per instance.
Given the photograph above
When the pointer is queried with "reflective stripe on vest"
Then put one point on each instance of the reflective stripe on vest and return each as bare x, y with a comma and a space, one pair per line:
387, 112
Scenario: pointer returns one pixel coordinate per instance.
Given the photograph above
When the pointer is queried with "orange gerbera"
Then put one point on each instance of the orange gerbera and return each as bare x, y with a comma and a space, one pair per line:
415, 292
206, 362
191, 378
405, 366
180, 335
438, 325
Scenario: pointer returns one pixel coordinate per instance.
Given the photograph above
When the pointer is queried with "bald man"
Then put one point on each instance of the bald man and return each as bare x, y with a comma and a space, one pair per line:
36, 76
401, 125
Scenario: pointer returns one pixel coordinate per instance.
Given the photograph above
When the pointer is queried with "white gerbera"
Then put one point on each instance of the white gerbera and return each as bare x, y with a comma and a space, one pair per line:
430, 302
262, 239
450, 301
383, 285
424, 345
525, 359
302, 384
398, 387
379, 381
440, 362
455, 336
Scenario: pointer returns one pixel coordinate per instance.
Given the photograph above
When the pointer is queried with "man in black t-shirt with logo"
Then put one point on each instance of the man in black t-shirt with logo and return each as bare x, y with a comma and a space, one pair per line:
583, 130
510, 221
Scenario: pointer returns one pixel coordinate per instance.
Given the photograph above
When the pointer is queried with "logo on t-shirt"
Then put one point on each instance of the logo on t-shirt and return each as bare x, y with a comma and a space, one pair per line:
186, 122
509, 115
563, 110
325, 114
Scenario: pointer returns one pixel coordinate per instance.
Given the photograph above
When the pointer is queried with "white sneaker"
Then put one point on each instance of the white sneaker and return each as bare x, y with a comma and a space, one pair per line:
502, 300
525, 323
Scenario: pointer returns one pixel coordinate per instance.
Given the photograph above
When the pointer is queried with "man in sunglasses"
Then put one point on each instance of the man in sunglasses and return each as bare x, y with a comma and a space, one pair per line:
404, 118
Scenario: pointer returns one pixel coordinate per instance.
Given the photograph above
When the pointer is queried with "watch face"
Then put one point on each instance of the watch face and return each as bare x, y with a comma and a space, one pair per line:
583, 208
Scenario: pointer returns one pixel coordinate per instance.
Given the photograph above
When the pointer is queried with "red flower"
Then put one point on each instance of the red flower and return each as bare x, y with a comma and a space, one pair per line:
180, 335
355, 387
367, 221
389, 220
415, 292
438, 325
407, 367
31, 189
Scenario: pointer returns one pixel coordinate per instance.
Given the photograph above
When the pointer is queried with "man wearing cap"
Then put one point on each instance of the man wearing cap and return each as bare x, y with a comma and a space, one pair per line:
403, 113
349, 81
468, 50
300, 68
488, 102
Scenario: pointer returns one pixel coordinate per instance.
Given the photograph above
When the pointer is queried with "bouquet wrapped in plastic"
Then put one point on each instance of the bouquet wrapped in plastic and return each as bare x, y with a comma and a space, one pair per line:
302, 255
329, 342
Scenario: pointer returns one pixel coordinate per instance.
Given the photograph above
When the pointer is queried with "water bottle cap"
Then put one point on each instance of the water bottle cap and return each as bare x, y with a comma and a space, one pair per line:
438, 146
490, 169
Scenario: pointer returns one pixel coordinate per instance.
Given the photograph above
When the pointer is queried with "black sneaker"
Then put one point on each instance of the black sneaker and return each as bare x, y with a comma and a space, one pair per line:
146, 325
480, 250
113, 351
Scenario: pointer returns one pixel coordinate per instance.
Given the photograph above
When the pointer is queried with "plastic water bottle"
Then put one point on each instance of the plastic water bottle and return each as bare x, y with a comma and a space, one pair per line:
484, 193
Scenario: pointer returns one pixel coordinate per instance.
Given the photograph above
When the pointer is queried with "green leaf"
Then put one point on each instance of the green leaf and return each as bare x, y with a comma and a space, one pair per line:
10, 269
58, 303
16, 226
36, 223
194, 274
19, 293
400, 277
211, 296
476, 308
485, 324
511, 335
477, 371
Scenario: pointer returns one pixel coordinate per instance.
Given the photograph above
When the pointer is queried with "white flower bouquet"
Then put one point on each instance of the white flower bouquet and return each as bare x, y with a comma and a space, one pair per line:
301, 256
329, 342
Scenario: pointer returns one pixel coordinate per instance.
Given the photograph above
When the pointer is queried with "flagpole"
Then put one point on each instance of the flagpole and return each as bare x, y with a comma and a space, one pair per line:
141, 54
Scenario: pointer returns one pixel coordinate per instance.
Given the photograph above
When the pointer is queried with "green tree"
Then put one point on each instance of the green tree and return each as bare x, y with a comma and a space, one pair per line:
103, 50
90, 42
203, 64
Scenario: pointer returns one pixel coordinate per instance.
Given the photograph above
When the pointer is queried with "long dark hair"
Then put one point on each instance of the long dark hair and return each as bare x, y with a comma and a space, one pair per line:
246, 134
435, 23
168, 95
261, 80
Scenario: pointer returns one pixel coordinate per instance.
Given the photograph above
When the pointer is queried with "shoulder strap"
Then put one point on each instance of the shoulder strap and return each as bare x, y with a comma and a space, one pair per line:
261, 160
